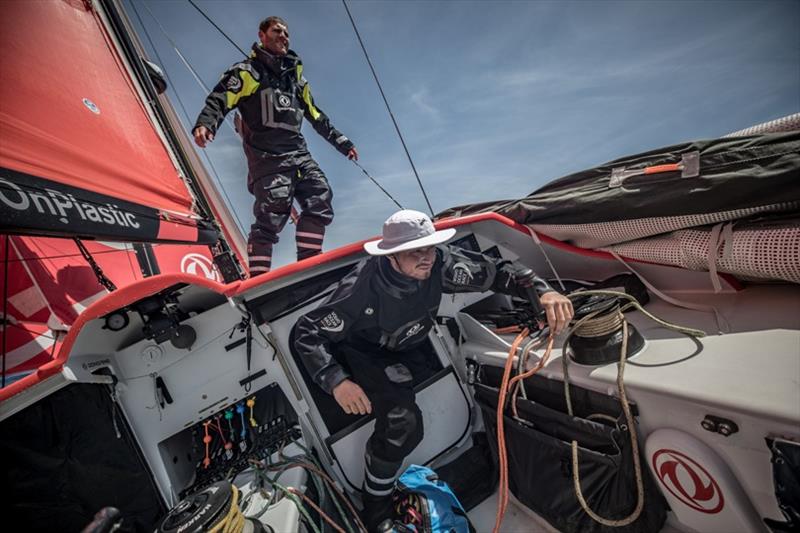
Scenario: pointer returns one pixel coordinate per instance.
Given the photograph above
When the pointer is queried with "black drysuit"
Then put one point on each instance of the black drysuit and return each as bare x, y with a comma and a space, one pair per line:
272, 96
374, 323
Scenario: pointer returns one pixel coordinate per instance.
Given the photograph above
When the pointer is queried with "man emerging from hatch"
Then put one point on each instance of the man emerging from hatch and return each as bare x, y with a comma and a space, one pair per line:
270, 92
375, 322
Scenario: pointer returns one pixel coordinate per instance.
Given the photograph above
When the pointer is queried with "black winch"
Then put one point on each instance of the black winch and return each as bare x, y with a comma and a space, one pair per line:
598, 340
215, 508
200, 511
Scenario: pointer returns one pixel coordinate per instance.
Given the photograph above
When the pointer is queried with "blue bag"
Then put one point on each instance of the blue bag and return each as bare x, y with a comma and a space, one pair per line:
425, 504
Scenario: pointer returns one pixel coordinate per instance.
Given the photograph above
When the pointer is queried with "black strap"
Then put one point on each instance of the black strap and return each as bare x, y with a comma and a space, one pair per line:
5, 307
98, 272
248, 335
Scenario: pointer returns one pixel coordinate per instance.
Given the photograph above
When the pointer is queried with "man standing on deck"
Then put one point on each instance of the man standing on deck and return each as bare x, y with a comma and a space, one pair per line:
270, 92
363, 343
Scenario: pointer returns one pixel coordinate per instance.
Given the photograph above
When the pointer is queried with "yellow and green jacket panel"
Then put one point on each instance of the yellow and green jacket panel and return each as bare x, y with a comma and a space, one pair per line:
272, 97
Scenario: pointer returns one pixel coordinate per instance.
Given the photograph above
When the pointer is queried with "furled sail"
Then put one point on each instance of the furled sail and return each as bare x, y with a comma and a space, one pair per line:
723, 205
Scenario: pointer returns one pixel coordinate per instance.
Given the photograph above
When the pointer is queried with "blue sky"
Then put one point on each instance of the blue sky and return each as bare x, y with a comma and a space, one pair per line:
494, 99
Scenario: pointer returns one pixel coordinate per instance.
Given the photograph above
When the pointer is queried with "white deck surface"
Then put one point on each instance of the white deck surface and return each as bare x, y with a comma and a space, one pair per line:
520, 519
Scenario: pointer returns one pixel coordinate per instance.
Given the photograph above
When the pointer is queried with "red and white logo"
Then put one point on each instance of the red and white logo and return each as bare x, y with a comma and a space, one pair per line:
688, 481
199, 265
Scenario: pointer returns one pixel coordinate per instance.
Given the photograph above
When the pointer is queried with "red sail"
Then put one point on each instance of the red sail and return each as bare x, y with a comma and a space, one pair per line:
80, 156
78, 152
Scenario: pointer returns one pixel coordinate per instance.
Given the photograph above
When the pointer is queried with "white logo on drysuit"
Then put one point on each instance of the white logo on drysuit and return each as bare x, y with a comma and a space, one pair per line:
234, 83
461, 274
284, 101
413, 330
331, 322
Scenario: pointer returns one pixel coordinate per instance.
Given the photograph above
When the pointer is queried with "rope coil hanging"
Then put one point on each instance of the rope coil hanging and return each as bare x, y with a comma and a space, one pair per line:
596, 324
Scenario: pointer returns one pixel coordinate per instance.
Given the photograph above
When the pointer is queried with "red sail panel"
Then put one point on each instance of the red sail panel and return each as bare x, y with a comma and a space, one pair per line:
69, 111
195, 260
50, 284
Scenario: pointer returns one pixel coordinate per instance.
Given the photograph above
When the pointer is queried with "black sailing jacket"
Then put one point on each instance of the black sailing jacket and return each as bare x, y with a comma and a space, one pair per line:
374, 309
272, 96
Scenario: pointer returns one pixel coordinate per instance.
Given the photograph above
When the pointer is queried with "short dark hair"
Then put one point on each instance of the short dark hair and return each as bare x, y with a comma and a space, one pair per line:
269, 21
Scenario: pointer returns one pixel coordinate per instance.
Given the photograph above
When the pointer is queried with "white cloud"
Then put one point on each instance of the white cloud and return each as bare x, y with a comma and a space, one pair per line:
421, 98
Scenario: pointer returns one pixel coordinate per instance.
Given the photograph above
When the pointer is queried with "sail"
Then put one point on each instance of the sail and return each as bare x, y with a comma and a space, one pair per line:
49, 283
750, 174
723, 205
80, 154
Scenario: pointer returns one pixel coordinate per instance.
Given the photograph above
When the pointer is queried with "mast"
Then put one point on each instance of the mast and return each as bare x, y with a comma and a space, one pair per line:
232, 248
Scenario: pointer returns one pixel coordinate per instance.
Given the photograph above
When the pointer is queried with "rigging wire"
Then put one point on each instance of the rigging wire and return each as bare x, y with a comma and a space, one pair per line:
388, 108
155, 51
217, 27
180, 100
63, 256
53, 337
377, 184
102, 279
185, 62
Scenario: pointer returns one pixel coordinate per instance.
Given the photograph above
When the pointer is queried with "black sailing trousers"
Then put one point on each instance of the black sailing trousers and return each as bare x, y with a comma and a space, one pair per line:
274, 192
388, 378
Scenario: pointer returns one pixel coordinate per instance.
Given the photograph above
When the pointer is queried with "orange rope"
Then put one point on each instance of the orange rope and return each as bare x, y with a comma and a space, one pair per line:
514, 387
505, 384
507, 329
529, 373
502, 497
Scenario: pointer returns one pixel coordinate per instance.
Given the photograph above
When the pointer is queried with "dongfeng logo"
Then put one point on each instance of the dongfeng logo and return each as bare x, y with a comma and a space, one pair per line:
48, 202
199, 265
688, 481
284, 101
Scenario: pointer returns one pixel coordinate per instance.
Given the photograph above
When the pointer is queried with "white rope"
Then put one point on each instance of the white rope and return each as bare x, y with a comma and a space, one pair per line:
722, 324
536, 240
609, 325
637, 467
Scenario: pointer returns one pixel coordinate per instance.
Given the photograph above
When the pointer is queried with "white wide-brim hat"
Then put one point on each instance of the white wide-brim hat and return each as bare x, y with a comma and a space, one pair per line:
407, 230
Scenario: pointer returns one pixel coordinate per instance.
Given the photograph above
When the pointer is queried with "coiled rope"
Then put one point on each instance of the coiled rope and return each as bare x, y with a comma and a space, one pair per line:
592, 325
233, 522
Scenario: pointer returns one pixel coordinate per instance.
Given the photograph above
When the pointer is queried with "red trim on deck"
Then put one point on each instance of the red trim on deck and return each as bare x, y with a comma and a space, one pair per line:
299, 266
110, 302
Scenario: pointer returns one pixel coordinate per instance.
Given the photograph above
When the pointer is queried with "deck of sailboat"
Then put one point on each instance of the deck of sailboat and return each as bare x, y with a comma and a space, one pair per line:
138, 396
